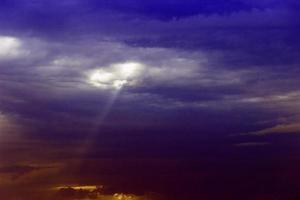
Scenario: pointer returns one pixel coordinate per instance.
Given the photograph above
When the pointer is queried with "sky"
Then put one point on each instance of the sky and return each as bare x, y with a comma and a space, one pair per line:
149, 99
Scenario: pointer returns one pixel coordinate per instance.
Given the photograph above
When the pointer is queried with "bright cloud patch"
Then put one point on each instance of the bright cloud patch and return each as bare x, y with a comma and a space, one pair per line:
10, 47
116, 76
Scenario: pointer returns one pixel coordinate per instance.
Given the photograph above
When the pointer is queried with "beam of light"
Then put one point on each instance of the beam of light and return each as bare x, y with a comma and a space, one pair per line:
110, 79
96, 125
113, 79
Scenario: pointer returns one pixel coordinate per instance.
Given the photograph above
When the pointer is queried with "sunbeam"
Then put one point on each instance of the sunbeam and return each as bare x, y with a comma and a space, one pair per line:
112, 79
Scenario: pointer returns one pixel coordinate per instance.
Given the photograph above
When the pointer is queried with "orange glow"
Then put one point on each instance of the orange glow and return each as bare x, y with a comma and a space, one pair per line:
81, 187
121, 196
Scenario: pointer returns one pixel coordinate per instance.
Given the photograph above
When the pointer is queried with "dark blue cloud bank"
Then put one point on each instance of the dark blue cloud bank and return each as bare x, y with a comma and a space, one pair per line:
186, 99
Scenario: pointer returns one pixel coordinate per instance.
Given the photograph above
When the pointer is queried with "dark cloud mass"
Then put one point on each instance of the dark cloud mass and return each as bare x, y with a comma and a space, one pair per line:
149, 99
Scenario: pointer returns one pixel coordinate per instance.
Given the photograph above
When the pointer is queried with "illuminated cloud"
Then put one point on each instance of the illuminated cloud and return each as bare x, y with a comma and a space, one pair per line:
280, 128
116, 76
280, 98
10, 47
95, 192
286, 103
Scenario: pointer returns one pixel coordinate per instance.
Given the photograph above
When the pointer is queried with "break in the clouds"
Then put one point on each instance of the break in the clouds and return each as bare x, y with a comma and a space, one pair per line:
85, 82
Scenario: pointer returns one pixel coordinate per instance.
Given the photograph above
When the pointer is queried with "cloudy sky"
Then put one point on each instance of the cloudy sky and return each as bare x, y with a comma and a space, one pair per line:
149, 99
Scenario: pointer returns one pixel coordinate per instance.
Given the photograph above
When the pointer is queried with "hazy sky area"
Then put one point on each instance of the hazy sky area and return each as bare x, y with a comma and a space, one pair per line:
149, 99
